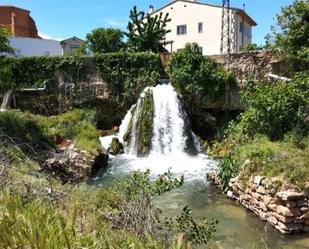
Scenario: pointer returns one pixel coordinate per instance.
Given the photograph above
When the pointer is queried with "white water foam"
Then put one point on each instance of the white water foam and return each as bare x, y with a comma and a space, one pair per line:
168, 142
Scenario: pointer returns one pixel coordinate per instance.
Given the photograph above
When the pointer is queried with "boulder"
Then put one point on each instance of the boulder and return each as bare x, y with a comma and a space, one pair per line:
287, 212
289, 196
258, 179
116, 147
70, 164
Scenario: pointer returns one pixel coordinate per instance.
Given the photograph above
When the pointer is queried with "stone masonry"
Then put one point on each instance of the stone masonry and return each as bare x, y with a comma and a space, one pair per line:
286, 209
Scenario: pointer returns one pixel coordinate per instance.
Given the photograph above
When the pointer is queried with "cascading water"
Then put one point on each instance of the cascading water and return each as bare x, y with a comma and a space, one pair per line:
171, 145
171, 138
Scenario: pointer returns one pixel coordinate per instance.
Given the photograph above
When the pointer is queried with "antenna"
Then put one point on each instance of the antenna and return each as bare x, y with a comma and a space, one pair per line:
225, 28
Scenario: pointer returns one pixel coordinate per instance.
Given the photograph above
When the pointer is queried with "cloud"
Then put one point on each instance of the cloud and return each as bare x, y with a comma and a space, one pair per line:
49, 37
115, 23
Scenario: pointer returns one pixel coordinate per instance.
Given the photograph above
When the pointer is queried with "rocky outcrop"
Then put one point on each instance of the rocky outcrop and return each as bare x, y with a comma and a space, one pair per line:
285, 208
70, 164
116, 147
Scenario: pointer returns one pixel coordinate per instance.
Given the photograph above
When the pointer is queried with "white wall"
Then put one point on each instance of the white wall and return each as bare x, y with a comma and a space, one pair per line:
191, 14
35, 47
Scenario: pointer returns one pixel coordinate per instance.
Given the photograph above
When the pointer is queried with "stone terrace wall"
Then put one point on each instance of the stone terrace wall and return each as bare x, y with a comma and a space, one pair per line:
253, 64
285, 209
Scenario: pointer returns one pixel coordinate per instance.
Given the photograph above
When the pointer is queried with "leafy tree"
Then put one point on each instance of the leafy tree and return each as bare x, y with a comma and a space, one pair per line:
146, 32
4, 41
103, 40
291, 34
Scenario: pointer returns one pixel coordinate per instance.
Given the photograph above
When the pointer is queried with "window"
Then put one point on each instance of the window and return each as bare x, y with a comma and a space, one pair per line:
241, 27
200, 27
181, 29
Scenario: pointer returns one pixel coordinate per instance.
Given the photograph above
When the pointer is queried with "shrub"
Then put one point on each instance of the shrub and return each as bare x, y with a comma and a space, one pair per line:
228, 168
197, 76
276, 109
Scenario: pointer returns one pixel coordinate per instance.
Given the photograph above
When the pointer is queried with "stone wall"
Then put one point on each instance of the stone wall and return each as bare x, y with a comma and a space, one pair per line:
253, 64
285, 208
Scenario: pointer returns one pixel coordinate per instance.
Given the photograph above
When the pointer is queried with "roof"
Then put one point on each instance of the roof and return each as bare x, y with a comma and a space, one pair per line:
240, 12
13, 7
71, 38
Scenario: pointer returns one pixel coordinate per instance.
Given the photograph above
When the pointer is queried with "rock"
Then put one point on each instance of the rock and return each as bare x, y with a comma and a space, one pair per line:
289, 196
273, 220
272, 206
305, 216
258, 179
287, 212
116, 147
230, 194
283, 219
291, 227
266, 182
290, 204
306, 222
100, 161
304, 209
261, 190
267, 200
70, 164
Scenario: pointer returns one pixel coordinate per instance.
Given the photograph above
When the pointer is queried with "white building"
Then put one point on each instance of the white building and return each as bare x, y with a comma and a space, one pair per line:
193, 21
25, 46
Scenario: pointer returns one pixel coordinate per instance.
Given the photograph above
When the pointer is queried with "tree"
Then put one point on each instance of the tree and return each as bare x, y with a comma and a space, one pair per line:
291, 34
146, 32
103, 40
4, 41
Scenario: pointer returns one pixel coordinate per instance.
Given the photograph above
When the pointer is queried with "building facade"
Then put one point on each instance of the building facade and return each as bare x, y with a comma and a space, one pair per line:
71, 44
25, 46
18, 21
193, 21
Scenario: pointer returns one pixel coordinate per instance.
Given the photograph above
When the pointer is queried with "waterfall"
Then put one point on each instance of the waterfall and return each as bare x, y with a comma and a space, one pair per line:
6, 100
159, 122
168, 133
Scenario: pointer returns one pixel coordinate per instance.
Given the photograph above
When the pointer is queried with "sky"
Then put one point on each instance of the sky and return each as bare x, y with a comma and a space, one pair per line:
61, 19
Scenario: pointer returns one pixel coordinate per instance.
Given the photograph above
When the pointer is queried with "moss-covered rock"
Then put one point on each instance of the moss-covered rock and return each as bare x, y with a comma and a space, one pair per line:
146, 125
127, 135
116, 147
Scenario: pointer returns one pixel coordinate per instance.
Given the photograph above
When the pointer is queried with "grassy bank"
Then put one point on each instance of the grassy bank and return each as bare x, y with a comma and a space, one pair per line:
271, 137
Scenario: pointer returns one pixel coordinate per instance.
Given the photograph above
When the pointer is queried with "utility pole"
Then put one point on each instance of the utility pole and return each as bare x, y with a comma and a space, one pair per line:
225, 28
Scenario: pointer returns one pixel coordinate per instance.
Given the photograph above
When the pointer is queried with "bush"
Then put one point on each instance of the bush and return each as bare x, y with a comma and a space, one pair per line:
276, 109
197, 76
228, 168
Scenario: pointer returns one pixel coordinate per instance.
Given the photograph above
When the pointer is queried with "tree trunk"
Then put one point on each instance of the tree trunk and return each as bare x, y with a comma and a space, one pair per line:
7, 98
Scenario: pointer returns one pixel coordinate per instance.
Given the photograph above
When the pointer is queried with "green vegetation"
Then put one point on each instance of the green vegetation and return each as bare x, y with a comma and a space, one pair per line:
271, 137
251, 47
34, 132
146, 32
125, 73
198, 78
103, 40
291, 34
146, 124
4, 41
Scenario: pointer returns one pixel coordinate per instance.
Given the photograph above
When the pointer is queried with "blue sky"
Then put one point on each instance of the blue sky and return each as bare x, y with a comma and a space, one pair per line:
58, 19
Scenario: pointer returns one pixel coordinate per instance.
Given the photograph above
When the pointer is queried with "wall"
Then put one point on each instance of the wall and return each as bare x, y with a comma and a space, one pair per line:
254, 64
284, 207
35, 47
18, 21
191, 13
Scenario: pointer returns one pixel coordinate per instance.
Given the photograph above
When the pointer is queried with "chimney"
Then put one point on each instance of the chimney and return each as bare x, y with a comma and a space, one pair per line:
151, 9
